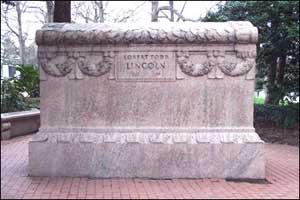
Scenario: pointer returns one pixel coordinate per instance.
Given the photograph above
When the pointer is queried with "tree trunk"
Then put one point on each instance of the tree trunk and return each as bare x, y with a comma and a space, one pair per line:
154, 14
20, 32
99, 17
281, 67
50, 11
171, 3
271, 87
62, 11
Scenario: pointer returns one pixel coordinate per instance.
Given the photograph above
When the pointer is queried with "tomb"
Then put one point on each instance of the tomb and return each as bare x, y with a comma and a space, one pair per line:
156, 100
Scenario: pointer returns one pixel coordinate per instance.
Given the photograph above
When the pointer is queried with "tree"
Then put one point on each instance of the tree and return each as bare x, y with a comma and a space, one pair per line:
20, 8
154, 13
15, 53
278, 48
62, 11
125, 15
156, 10
47, 13
9, 51
50, 11
96, 12
90, 11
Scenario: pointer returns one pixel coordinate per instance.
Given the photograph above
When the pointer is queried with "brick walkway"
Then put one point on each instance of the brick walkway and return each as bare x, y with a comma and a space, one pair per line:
282, 165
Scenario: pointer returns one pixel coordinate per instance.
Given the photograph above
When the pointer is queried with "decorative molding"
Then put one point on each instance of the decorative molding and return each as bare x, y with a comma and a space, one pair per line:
149, 138
54, 64
96, 64
150, 33
198, 69
247, 61
60, 64
214, 64
244, 62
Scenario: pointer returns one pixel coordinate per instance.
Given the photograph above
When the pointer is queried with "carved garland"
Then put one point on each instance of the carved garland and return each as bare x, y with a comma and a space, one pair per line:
63, 63
216, 58
55, 65
58, 34
240, 68
97, 64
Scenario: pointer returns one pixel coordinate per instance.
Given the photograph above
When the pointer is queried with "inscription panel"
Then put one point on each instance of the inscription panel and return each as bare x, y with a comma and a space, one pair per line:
145, 66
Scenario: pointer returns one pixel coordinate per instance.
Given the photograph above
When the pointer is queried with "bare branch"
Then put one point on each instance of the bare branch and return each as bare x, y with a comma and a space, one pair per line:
6, 21
177, 13
182, 9
154, 13
129, 13
165, 16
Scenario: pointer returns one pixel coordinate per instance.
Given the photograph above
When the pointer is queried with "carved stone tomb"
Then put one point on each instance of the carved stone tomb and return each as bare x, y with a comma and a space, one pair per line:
156, 100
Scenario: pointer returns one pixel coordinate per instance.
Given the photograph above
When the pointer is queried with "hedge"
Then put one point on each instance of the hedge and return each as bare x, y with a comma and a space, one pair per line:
282, 116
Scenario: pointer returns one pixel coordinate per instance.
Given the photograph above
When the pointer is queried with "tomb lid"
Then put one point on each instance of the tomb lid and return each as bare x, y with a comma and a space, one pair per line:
147, 33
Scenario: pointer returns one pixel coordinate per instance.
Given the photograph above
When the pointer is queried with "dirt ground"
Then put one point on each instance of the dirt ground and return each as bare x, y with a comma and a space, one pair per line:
276, 135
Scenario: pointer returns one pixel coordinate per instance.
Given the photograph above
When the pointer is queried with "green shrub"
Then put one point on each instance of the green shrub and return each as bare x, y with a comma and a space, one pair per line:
11, 90
33, 102
28, 81
283, 116
11, 99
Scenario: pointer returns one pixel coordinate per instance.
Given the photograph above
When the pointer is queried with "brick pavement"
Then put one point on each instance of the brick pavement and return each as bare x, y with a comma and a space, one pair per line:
282, 170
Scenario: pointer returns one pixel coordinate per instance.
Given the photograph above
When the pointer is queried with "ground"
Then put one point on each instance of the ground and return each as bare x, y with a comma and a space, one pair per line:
282, 180
277, 135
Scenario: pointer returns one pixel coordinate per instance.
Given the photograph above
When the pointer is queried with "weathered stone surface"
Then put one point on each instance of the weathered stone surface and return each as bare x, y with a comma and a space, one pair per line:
107, 160
120, 100
151, 33
19, 123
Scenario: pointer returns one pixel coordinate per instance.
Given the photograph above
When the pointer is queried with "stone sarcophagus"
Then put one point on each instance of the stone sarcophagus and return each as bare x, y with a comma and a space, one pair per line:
153, 100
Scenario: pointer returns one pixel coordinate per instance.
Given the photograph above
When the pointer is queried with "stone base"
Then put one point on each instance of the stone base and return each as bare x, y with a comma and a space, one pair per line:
19, 123
151, 160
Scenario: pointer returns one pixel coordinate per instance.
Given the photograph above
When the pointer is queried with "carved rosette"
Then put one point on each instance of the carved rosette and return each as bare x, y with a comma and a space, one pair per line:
216, 58
96, 65
62, 63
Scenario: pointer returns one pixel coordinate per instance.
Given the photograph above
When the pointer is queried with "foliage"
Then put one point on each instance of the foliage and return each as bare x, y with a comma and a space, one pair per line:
8, 2
11, 90
11, 99
278, 49
28, 81
259, 100
33, 102
282, 116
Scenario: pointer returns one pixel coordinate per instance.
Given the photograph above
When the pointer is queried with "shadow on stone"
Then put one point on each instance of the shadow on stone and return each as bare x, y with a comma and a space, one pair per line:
248, 180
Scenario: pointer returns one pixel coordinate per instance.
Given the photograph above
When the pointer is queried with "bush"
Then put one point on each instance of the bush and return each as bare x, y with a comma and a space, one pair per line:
11, 90
282, 116
28, 81
11, 99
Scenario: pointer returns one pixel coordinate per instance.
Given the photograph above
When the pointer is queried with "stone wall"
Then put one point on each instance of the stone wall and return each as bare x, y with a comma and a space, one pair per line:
19, 123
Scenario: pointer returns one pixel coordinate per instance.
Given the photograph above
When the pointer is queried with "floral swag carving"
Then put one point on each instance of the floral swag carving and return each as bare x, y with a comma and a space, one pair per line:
216, 58
61, 64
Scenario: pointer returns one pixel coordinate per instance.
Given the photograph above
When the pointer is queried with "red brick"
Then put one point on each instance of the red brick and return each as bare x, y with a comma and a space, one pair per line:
282, 170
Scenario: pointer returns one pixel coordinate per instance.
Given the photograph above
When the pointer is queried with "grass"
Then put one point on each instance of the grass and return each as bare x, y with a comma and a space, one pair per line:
259, 100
